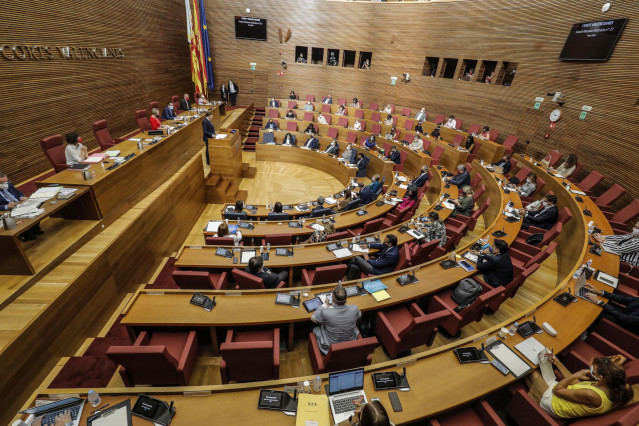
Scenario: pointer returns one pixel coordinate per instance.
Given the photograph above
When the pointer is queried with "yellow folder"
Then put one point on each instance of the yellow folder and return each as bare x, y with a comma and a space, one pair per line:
312, 410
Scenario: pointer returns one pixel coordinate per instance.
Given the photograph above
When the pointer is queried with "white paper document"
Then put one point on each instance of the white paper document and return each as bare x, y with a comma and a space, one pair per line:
135, 139
212, 225
343, 252
113, 153
403, 186
220, 136
402, 179
359, 249
330, 200
246, 256
511, 361
116, 418
46, 193
576, 191
448, 205
530, 348
317, 227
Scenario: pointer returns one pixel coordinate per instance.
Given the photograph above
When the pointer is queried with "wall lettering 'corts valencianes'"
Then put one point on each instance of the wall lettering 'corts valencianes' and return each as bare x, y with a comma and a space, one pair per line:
23, 52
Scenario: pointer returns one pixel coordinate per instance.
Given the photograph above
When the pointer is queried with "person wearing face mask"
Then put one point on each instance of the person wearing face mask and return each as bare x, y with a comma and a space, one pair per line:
271, 125
357, 125
434, 229
451, 123
464, 204
435, 133
308, 106
10, 197
461, 179
417, 144
384, 261
545, 217
370, 142
625, 246
529, 186
349, 155
168, 113
589, 392
75, 152
422, 178
497, 268
333, 148
290, 115
289, 139
505, 163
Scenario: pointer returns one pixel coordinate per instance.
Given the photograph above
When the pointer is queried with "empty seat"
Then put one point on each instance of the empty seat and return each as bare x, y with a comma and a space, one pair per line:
359, 113
368, 228
493, 134
373, 106
326, 108
341, 356
376, 129
103, 136
332, 132
200, 280
478, 414
351, 137
53, 148
341, 101
437, 155
623, 217
510, 143
610, 196
421, 252
590, 181
142, 120
553, 158
278, 216
342, 122
278, 239
323, 274
291, 126
308, 116
219, 241
439, 119
292, 104
250, 356
273, 113
376, 116
474, 129
408, 124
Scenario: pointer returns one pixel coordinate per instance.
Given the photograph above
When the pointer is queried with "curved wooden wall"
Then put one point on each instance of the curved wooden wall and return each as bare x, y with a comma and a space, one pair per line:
401, 35
48, 96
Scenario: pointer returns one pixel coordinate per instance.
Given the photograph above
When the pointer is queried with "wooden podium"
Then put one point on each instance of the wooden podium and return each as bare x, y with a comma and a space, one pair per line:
227, 169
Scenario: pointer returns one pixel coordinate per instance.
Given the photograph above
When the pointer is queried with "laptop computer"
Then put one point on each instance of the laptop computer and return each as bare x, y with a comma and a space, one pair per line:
580, 290
49, 412
498, 169
344, 387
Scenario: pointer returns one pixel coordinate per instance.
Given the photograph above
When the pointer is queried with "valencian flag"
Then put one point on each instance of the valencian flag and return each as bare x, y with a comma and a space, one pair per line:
201, 66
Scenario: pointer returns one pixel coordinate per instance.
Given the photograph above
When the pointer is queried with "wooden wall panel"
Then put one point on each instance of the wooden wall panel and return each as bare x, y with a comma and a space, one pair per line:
530, 33
46, 97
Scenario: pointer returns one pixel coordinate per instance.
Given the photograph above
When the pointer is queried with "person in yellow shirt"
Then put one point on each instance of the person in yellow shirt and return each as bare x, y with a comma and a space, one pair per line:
587, 392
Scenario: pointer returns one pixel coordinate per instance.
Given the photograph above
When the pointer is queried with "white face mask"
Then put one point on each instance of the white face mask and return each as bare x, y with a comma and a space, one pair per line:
5, 186
635, 232
547, 204
529, 180
170, 106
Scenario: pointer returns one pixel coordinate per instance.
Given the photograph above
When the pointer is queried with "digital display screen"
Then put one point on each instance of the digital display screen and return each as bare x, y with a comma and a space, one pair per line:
592, 41
146, 407
345, 381
249, 28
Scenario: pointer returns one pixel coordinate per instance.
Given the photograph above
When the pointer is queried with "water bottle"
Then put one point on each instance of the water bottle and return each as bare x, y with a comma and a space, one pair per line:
579, 271
317, 384
513, 328
268, 247
94, 398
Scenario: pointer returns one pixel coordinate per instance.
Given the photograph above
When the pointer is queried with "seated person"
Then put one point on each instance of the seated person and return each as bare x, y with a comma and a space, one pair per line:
332, 60
389, 120
301, 59
277, 207
417, 144
451, 123
223, 232
308, 106
292, 96
345, 201
545, 217
529, 186
461, 179
11, 197
433, 229
384, 261
333, 148
365, 194
464, 204
567, 167
497, 267
370, 142
289, 139
421, 115
201, 100
419, 129
310, 129
356, 103
485, 133
338, 324
239, 206
435, 133
369, 414
357, 125
312, 142
349, 154
585, 393
321, 119
341, 110
154, 120
320, 205
388, 109
504, 162
624, 311
409, 199
394, 155
625, 246
271, 125
470, 143
393, 134
362, 163
184, 103
274, 103
328, 99
75, 152
320, 236
375, 183
290, 115
168, 113
366, 65
422, 178
271, 279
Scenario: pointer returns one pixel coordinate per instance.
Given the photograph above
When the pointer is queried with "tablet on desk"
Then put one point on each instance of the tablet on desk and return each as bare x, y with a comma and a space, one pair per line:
312, 304
116, 415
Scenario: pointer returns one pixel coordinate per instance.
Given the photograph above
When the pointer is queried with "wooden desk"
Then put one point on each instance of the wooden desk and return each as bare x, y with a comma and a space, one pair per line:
14, 260
145, 171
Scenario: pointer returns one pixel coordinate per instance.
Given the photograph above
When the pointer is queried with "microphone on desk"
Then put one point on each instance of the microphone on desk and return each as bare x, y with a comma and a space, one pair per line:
534, 319
404, 372
171, 409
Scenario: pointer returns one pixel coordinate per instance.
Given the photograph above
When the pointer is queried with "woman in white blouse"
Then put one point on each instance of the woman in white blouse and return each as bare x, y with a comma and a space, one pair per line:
567, 167
357, 126
341, 110
75, 152
388, 109
451, 123
417, 144
321, 119
223, 232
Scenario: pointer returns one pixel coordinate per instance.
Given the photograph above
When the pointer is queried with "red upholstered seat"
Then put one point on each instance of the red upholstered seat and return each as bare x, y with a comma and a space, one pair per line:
475, 180
521, 245
103, 136
341, 356
509, 144
479, 414
437, 155
292, 104
85, 372
337, 236
368, 228
351, 137
200, 280
373, 106
421, 252
323, 274
363, 123
246, 281
408, 124
439, 119
161, 358
250, 356
471, 220
623, 217
479, 192
175, 100
406, 112
522, 174
310, 98
402, 157
610, 196
341, 101
458, 123
404, 328
342, 122
524, 260
332, 132
553, 158
457, 140
493, 134
473, 129
376, 129
219, 241
376, 116
590, 181
53, 148
326, 108
273, 113
308, 116
473, 154
291, 126
278, 239
142, 120
359, 113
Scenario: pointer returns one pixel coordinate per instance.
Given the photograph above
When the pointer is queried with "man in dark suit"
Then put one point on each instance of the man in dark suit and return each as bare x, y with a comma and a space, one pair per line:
327, 100
274, 103
168, 113
333, 148
208, 131
271, 279
11, 197
234, 89
461, 179
627, 317
385, 260
362, 163
422, 178
320, 207
394, 155
545, 217
365, 193
505, 163
271, 125
184, 103
497, 268
312, 142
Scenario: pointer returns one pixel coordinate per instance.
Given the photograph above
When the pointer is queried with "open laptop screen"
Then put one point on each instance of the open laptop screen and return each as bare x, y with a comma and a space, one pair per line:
345, 381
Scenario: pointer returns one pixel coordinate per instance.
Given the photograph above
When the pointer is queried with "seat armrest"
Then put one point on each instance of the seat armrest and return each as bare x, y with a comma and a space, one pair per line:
305, 278
606, 347
276, 353
282, 284
534, 230
390, 330
487, 415
315, 354
143, 339
229, 336
523, 409
186, 363
416, 311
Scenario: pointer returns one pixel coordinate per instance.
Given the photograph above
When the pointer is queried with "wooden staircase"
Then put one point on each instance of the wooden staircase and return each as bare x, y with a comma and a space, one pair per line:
221, 190
254, 129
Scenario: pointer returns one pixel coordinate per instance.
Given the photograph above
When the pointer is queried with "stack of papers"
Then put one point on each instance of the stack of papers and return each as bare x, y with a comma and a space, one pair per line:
448, 205
576, 191
415, 234
135, 139
403, 186
66, 193
330, 200
317, 227
402, 179
113, 153
246, 256
28, 209
95, 158
531, 348
46, 193
343, 252
359, 249
212, 226
220, 136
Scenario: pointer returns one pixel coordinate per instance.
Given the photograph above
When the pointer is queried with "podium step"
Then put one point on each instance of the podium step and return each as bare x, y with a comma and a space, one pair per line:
248, 171
220, 190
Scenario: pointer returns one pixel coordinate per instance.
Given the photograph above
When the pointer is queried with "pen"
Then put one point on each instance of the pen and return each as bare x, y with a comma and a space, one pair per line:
98, 409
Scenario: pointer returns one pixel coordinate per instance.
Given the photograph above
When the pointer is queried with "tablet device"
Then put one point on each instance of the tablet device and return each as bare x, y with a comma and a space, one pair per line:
371, 240
564, 299
467, 266
223, 252
333, 247
385, 380
270, 400
115, 415
283, 252
312, 304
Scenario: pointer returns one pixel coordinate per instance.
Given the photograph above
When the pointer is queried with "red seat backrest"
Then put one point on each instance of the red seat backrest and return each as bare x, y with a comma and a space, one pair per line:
422, 329
53, 148
219, 241
376, 116
332, 132
363, 123
279, 239
475, 180
437, 153
192, 280
459, 123
373, 106
493, 135
308, 116
328, 118
292, 104
611, 195
347, 355
510, 141
341, 101
273, 113
402, 156
326, 108
590, 181
473, 129
244, 280
248, 361
329, 274
310, 98
359, 113
102, 135
372, 226
142, 120
291, 126
406, 111
628, 213
154, 105
457, 140
408, 124
439, 119
343, 122
376, 129
351, 137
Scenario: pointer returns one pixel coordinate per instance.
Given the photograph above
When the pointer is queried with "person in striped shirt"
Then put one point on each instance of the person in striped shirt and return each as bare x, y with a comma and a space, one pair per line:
625, 246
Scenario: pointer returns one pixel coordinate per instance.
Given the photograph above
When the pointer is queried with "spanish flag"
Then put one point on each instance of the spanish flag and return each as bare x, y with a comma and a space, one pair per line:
201, 65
